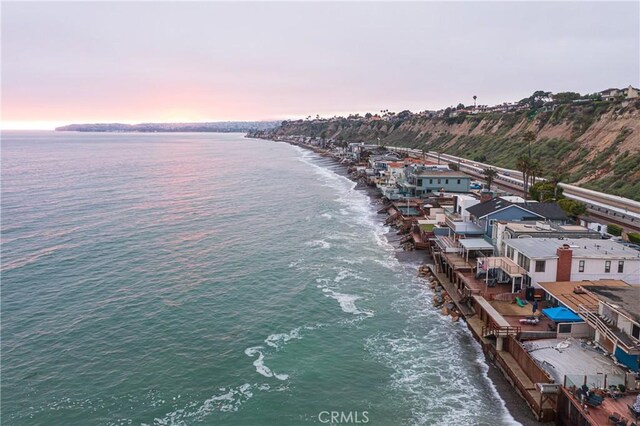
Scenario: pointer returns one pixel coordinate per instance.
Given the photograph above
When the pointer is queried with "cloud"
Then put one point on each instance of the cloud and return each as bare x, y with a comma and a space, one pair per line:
146, 61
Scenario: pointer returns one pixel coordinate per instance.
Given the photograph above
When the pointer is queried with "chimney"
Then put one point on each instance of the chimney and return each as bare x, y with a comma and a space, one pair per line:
485, 196
565, 255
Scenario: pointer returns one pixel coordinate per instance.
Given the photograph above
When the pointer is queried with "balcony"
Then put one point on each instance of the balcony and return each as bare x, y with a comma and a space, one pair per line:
507, 265
606, 327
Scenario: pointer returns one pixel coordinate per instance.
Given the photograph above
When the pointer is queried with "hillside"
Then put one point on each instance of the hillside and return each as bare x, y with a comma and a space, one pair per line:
594, 145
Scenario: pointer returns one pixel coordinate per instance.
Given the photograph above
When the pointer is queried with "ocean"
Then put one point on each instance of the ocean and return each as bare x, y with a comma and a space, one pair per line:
178, 279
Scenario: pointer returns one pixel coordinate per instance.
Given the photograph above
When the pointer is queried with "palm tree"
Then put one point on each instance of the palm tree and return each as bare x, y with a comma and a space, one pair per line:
489, 175
523, 165
528, 138
474, 100
535, 170
555, 178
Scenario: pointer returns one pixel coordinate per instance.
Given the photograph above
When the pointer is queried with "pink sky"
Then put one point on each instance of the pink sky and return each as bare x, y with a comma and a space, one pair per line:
166, 61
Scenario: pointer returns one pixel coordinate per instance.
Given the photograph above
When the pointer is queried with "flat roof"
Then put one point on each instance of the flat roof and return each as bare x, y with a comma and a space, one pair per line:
563, 291
515, 199
623, 298
568, 357
475, 244
439, 173
545, 248
533, 226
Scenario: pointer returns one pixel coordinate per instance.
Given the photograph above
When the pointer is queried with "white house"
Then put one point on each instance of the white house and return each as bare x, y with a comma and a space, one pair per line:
504, 230
631, 92
610, 94
568, 259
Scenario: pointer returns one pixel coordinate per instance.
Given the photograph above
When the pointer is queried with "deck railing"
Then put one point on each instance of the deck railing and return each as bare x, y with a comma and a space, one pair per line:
590, 314
500, 331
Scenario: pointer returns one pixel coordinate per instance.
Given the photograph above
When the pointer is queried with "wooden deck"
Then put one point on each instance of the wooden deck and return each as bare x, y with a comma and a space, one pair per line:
479, 286
600, 415
458, 262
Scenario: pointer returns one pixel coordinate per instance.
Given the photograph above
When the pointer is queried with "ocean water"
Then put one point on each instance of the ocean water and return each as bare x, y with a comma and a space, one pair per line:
178, 279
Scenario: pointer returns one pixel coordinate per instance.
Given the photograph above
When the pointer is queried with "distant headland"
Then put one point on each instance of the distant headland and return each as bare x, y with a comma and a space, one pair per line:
219, 126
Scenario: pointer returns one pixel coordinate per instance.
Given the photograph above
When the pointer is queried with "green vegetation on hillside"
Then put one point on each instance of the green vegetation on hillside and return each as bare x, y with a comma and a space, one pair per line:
498, 138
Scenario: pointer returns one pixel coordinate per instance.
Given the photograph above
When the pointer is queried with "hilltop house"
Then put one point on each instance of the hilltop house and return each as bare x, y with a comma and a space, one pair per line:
613, 93
610, 94
631, 92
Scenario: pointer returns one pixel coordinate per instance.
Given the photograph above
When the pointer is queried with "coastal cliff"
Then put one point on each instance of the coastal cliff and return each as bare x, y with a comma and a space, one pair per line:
594, 145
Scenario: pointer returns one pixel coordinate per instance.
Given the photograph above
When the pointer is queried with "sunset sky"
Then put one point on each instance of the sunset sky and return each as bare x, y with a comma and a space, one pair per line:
163, 61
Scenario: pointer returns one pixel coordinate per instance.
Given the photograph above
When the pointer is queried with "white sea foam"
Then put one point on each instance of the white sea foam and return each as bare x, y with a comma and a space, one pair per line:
351, 261
259, 363
347, 302
344, 273
280, 339
318, 243
326, 216
229, 400
391, 263
295, 263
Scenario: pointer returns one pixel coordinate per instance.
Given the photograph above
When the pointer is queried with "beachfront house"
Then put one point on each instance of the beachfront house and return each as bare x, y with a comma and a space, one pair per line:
504, 230
422, 180
568, 259
486, 214
616, 320
610, 311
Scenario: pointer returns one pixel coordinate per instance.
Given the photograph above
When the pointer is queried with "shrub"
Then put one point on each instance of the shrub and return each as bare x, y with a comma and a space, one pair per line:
572, 208
634, 237
614, 229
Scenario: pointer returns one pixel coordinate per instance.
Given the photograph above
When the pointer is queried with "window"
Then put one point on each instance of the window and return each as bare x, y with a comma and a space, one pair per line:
419, 182
607, 266
446, 181
581, 266
635, 331
430, 180
459, 182
438, 181
510, 252
564, 328
540, 265
524, 261
620, 266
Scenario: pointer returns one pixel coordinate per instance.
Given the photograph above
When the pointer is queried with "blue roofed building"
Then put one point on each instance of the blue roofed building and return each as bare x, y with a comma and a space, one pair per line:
487, 213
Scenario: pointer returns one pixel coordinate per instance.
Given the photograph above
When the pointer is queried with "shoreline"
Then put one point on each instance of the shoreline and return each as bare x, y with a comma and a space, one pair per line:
513, 403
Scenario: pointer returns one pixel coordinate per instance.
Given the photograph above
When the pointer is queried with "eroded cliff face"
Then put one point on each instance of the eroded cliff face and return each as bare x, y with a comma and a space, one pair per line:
595, 145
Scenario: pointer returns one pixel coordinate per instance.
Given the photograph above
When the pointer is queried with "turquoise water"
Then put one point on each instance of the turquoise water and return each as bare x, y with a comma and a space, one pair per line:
211, 279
